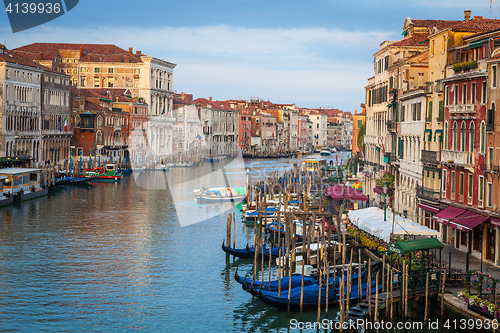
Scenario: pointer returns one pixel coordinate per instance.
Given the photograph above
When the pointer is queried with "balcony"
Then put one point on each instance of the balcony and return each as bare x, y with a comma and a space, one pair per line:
428, 119
490, 128
117, 128
430, 157
458, 158
439, 119
427, 193
391, 125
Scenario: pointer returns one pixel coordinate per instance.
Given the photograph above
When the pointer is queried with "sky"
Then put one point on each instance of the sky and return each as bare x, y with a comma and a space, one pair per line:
316, 53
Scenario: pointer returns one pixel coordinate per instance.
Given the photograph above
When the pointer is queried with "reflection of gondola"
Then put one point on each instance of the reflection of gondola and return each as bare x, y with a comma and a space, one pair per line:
240, 253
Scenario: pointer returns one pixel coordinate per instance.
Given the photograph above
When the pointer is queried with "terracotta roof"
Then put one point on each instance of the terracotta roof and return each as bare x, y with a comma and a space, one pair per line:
90, 106
14, 58
478, 23
102, 93
99, 52
414, 40
440, 24
203, 102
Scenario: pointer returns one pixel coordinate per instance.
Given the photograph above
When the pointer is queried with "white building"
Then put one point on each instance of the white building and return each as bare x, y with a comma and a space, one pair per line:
410, 138
346, 141
319, 128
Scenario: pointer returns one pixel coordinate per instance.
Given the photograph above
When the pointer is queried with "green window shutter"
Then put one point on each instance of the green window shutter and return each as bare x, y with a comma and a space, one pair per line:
400, 148
429, 112
441, 109
397, 112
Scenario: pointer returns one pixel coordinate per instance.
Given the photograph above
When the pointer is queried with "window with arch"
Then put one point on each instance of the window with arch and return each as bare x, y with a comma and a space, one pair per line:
455, 128
471, 137
99, 121
98, 137
462, 137
483, 137
77, 121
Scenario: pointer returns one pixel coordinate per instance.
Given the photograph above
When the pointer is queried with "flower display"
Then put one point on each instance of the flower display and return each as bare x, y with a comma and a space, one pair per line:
473, 300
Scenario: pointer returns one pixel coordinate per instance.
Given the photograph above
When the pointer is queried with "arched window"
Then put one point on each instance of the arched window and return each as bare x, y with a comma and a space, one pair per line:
483, 137
99, 121
462, 137
77, 121
455, 128
99, 136
471, 137
446, 145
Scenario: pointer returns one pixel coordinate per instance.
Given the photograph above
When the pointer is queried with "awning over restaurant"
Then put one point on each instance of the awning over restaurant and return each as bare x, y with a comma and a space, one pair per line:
447, 214
467, 221
337, 193
495, 221
372, 221
406, 247
429, 208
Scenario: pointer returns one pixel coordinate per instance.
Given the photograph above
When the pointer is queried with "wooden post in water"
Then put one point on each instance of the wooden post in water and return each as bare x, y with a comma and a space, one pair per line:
376, 296
369, 288
359, 277
234, 230
426, 296
341, 303
278, 270
228, 232
348, 300
287, 218
406, 291
387, 292
383, 277
392, 299
319, 295
442, 295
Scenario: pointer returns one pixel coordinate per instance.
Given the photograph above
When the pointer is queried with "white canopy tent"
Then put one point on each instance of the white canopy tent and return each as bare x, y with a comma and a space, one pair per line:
372, 221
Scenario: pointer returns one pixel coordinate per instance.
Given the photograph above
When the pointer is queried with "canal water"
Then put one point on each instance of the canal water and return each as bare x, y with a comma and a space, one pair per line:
114, 257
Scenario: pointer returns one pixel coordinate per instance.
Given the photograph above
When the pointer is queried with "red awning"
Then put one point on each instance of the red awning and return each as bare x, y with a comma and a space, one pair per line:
379, 190
447, 214
429, 208
467, 221
337, 193
495, 221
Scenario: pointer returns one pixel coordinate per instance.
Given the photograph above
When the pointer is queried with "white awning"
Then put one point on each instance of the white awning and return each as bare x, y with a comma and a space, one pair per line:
371, 220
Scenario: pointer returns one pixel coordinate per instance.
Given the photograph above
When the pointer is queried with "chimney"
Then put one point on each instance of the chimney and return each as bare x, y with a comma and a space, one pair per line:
118, 58
138, 52
355, 111
126, 58
467, 13
210, 99
91, 58
130, 50
117, 99
182, 96
81, 51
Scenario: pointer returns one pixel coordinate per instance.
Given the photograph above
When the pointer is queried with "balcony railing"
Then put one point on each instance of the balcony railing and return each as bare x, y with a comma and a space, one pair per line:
490, 128
430, 157
391, 125
439, 119
428, 119
460, 158
427, 193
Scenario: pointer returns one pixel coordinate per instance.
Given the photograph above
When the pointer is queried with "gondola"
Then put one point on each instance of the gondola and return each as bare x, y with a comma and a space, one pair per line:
275, 251
310, 296
296, 281
240, 253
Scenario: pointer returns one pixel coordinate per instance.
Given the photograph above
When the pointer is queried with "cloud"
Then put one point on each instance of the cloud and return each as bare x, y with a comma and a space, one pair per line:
280, 63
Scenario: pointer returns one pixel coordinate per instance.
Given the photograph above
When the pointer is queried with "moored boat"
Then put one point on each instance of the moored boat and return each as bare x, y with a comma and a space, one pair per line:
240, 253
108, 173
